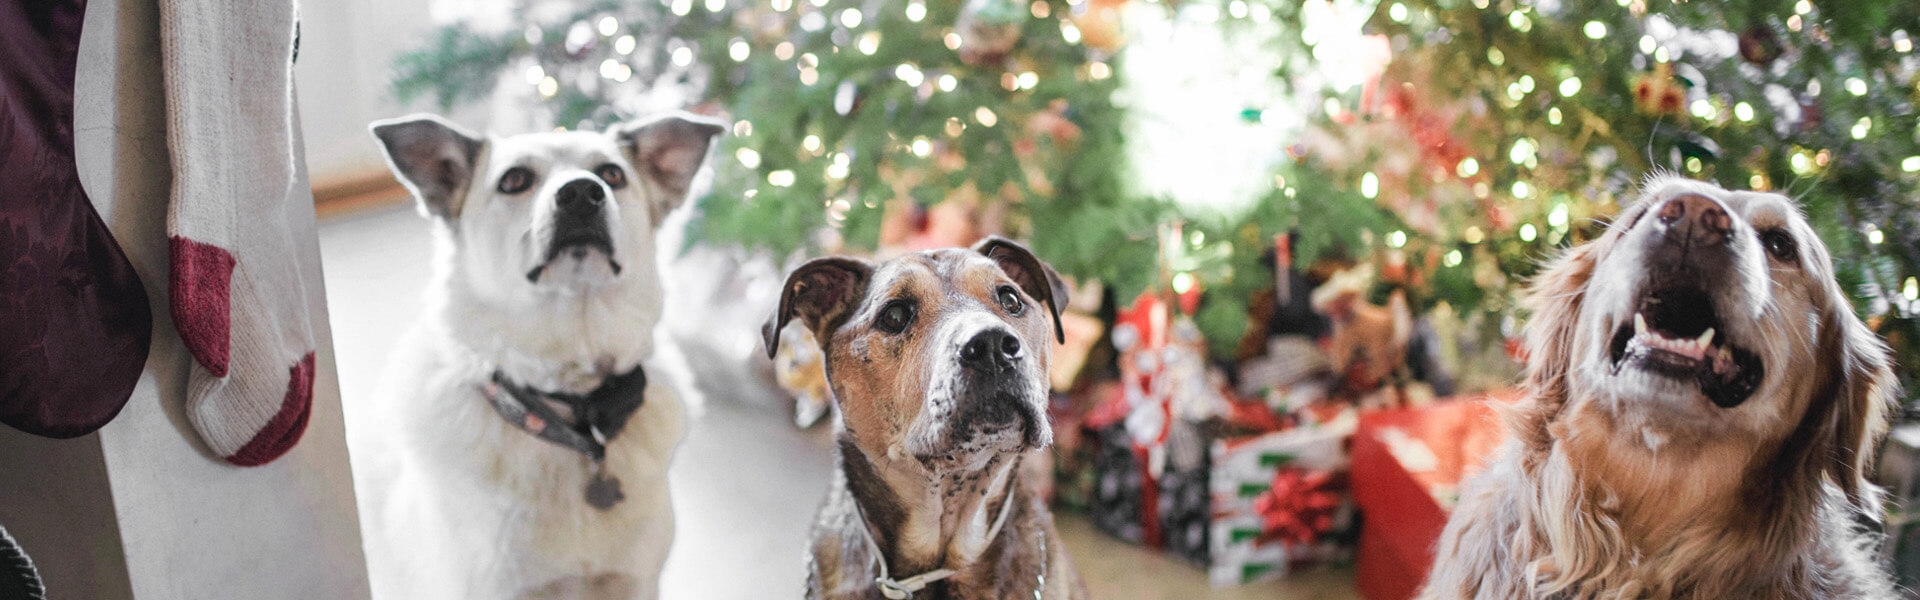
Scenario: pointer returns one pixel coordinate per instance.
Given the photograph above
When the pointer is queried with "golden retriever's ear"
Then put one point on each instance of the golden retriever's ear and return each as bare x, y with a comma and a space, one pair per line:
1862, 396
1555, 298
822, 293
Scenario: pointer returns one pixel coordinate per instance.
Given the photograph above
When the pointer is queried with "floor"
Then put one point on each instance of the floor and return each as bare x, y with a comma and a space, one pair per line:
746, 481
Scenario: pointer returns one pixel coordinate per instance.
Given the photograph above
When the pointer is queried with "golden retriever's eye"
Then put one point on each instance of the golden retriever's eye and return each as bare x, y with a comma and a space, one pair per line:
516, 180
1010, 300
613, 175
1779, 244
896, 316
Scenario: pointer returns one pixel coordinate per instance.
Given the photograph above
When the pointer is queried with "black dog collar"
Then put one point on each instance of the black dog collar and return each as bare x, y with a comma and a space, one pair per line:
598, 416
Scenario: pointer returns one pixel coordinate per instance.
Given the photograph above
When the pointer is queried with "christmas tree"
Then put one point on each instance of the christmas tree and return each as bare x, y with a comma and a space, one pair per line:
1497, 132
842, 108
1502, 130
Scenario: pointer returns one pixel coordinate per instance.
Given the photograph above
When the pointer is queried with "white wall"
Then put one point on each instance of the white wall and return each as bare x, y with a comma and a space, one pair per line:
346, 56
141, 509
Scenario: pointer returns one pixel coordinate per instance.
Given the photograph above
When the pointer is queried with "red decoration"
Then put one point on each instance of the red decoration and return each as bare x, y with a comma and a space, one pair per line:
1298, 507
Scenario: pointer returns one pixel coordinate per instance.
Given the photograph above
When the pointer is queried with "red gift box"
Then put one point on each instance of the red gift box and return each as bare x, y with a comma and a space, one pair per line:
1407, 465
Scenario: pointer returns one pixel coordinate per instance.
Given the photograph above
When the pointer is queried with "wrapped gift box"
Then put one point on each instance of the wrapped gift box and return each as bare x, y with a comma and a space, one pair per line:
1407, 467
1279, 501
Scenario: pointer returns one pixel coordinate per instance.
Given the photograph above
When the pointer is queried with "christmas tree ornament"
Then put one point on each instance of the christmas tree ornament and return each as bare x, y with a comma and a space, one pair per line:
766, 25
76, 323
1660, 93
1759, 45
988, 30
1811, 114
580, 40
238, 291
1100, 24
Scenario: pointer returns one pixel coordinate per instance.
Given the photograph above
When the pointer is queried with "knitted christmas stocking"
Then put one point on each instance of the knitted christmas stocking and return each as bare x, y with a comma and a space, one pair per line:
239, 300
74, 320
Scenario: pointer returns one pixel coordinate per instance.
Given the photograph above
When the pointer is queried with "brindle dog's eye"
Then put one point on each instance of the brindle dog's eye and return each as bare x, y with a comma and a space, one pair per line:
895, 316
1010, 300
1779, 244
516, 180
612, 174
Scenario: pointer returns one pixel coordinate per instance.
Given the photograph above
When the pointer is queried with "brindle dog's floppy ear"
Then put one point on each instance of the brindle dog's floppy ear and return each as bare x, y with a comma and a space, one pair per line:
433, 157
1034, 277
668, 150
822, 292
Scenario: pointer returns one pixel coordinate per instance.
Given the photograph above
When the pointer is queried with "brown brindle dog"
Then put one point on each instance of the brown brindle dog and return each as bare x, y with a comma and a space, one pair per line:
938, 361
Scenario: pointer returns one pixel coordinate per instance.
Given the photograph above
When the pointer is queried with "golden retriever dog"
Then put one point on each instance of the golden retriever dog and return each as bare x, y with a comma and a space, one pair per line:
1703, 407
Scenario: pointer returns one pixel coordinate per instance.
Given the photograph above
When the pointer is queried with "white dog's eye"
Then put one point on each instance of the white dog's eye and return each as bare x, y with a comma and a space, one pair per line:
1010, 300
1780, 244
516, 180
613, 175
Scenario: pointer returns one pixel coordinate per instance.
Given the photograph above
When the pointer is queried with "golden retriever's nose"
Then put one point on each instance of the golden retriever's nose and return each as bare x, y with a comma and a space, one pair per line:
1696, 219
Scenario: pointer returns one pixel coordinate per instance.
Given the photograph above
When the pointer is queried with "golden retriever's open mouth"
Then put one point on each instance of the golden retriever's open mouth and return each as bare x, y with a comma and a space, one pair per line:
1676, 333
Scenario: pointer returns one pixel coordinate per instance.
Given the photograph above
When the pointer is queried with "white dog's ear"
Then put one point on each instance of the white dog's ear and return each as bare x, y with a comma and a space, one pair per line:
433, 157
1034, 277
1862, 394
822, 293
668, 150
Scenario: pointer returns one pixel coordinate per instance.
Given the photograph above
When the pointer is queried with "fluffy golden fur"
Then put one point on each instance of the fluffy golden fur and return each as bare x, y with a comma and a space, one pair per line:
1620, 481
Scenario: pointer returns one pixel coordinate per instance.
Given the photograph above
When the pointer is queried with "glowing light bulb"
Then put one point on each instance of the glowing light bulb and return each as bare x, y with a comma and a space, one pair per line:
1569, 86
985, 116
1467, 167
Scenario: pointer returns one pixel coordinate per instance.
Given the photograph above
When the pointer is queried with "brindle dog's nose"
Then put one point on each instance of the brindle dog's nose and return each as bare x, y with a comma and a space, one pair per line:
580, 198
1695, 220
991, 351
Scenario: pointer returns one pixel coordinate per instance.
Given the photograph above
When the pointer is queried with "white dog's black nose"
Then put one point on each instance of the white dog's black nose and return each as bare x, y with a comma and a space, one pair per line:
1695, 220
580, 197
991, 351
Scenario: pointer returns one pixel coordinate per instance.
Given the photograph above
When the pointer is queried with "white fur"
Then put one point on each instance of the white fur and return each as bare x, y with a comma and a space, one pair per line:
456, 502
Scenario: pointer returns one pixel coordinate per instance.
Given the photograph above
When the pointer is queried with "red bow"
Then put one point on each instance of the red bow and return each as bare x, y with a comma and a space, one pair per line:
1298, 507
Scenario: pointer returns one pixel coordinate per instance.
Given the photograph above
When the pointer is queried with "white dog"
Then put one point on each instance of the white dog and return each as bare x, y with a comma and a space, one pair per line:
517, 449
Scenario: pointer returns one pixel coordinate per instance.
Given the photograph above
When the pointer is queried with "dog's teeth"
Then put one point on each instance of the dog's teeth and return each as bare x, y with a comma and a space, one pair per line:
1706, 339
1639, 324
